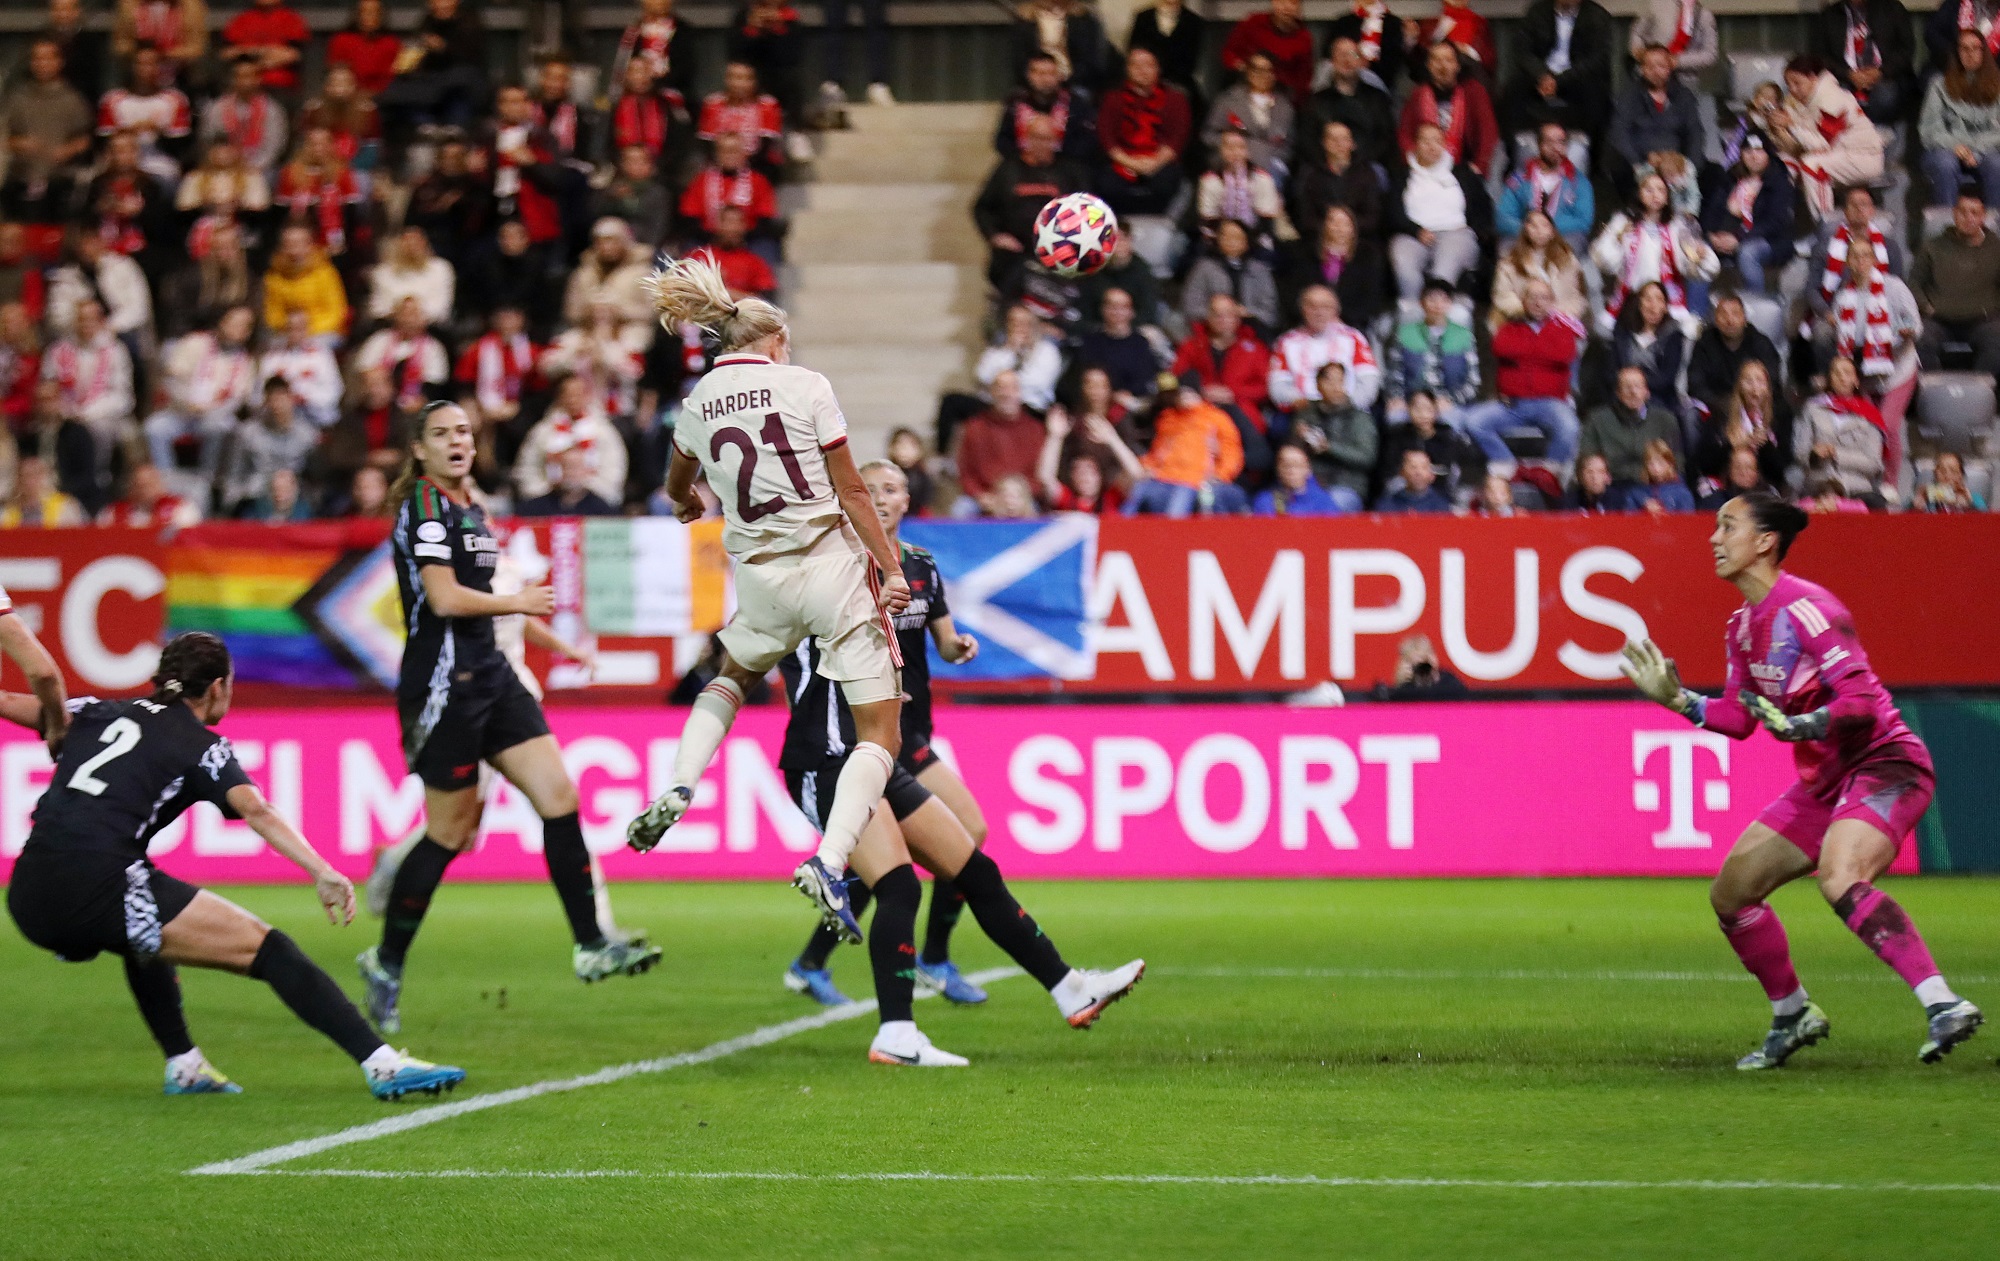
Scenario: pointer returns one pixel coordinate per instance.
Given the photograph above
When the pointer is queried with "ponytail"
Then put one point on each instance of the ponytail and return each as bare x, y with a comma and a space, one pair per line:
691, 291
189, 666
1774, 516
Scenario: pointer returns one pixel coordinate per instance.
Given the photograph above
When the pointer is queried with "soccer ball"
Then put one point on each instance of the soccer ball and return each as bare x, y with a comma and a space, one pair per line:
1074, 235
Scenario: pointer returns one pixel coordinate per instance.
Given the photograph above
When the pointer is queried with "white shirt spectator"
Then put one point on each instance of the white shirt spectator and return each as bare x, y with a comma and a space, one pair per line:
434, 286
412, 363
204, 376
1301, 353
1433, 198
535, 469
96, 380
1039, 369
610, 364
121, 286
314, 377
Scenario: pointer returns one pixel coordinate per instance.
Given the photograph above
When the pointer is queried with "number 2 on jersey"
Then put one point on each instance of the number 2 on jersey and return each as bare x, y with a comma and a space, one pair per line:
746, 468
121, 737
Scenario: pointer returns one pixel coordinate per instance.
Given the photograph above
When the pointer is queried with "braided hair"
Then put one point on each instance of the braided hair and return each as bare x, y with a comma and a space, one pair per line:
189, 665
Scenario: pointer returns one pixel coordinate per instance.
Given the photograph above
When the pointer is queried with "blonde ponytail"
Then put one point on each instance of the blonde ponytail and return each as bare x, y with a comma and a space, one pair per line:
690, 291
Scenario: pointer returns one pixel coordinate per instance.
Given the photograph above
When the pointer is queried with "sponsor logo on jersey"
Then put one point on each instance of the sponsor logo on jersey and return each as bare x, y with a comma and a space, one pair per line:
1768, 673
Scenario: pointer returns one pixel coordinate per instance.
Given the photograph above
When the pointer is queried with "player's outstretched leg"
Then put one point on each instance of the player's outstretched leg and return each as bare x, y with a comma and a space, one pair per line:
1759, 862
1855, 854
714, 712
416, 882
877, 707
934, 966
808, 973
156, 987
892, 951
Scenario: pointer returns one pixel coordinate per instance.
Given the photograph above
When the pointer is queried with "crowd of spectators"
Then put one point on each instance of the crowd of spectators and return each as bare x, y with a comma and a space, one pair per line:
227, 289
1371, 267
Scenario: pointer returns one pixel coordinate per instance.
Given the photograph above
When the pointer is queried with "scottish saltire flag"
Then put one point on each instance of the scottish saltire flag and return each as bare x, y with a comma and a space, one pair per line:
1023, 587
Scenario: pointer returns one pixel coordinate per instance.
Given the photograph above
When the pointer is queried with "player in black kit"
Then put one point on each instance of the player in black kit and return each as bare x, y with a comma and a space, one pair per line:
910, 820
927, 615
462, 704
84, 885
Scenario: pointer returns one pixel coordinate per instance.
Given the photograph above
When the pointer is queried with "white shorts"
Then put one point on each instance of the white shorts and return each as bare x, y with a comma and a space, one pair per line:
828, 593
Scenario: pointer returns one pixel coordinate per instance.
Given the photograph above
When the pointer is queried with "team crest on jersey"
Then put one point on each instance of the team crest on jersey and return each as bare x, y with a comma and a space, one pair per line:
431, 531
216, 758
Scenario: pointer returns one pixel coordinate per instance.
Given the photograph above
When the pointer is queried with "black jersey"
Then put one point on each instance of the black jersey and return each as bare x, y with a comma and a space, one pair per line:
821, 728
128, 769
431, 529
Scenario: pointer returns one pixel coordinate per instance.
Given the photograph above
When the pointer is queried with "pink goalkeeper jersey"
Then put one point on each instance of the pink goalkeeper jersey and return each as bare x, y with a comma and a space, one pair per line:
1797, 648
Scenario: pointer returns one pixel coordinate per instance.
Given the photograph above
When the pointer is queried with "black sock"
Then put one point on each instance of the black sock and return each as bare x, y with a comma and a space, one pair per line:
892, 942
946, 903
410, 898
1011, 928
819, 947
312, 995
157, 987
569, 871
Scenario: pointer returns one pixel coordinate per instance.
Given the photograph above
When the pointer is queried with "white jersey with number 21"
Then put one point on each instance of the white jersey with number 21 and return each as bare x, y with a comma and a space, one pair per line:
761, 431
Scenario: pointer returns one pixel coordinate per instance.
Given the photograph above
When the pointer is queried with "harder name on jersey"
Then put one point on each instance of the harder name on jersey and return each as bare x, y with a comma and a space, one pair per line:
741, 401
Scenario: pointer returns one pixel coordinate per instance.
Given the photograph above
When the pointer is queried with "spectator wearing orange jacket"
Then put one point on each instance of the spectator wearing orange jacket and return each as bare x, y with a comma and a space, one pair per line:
1195, 457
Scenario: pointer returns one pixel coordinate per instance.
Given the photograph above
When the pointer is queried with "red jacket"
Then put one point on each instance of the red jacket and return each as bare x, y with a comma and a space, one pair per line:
1477, 136
1291, 52
1532, 362
371, 57
255, 28
1245, 368
1141, 125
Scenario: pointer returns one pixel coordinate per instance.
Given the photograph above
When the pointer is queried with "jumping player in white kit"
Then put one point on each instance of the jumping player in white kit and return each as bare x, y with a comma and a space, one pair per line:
772, 442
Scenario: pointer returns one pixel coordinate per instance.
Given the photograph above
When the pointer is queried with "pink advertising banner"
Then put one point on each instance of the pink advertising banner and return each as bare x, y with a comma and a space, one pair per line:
1075, 792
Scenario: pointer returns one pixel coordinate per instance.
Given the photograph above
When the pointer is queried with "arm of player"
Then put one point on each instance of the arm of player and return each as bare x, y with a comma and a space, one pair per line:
860, 510
22, 710
26, 651
954, 645
449, 598
1659, 680
335, 891
680, 486
542, 635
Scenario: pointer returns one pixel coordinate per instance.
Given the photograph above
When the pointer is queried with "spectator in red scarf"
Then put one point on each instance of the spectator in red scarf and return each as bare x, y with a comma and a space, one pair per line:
158, 115
1068, 111
1460, 108
650, 117
349, 116
315, 190
572, 127
366, 48
147, 503
20, 363
728, 181
177, 29
1282, 37
526, 179
248, 118
496, 371
1143, 128
1841, 436
651, 39
742, 110
128, 208
270, 37
1455, 27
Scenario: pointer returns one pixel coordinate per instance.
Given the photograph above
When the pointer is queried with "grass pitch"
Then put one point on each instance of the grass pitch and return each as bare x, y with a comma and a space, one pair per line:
1422, 1069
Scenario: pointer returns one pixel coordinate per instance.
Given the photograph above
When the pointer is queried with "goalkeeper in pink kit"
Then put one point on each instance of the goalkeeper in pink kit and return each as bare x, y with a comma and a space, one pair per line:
1797, 668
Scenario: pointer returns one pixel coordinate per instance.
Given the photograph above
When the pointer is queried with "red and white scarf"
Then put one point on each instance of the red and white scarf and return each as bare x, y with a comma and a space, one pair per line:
1862, 320
653, 41
1970, 18
244, 124
1372, 16
721, 188
1684, 27
1858, 405
560, 121
1428, 112
1670, 269
158, 25
73, 362
642, 121
1836, 259
323, 197
1025, 114
1540, 195
1743, 200
501, 368
221, 376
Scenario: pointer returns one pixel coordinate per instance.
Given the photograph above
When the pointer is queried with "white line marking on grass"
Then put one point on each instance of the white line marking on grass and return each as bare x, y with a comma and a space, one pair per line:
1164, 1179
261, 1162
1508, 974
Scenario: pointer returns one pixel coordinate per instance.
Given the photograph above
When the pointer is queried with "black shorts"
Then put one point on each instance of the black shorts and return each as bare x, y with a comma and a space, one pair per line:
81, 903
918, 757
812, 792
481, 720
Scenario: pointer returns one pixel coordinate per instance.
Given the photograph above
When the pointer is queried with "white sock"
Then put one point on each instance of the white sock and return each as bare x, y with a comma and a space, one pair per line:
1934, 991
1068, 992
381, 1060
1791, 1004
893, 1031
854, 796
182, 1067
714, 711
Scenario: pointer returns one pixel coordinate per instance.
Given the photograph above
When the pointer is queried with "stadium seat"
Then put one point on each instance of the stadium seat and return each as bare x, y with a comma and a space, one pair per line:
1938, 218
1767, 316
1526, 142
1747, 70
1955, 409
1978, 478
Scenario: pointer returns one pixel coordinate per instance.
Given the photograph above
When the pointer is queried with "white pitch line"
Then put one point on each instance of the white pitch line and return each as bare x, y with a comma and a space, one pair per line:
1512, 974
261, 1162
1167, 1179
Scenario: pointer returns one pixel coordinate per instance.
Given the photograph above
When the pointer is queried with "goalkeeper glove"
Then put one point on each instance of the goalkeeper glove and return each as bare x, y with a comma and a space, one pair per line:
1653, 673
1785, 726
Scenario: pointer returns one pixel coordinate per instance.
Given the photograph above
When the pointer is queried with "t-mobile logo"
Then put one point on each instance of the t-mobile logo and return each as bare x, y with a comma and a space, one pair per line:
1680, 832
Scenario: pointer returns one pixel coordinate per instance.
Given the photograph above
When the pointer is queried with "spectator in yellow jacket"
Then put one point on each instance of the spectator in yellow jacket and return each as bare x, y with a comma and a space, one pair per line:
301, 279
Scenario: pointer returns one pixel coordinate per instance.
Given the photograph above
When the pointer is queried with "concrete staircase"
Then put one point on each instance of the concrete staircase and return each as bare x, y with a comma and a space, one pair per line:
886, 274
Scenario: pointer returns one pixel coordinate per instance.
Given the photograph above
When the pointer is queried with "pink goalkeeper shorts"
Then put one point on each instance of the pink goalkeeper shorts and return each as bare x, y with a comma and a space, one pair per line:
1889, 794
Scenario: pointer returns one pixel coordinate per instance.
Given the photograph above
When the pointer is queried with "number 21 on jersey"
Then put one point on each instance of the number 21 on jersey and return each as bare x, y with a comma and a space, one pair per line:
774, 437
